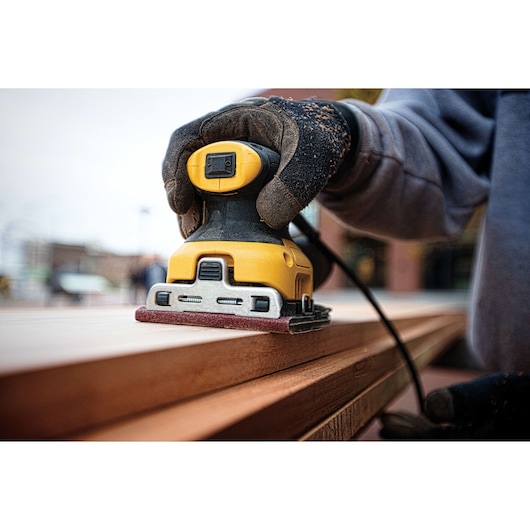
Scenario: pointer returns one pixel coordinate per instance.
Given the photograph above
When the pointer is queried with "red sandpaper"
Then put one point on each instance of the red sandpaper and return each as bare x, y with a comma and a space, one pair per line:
214, 320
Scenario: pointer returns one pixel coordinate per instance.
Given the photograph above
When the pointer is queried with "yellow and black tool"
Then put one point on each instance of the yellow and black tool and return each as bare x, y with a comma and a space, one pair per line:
235, 271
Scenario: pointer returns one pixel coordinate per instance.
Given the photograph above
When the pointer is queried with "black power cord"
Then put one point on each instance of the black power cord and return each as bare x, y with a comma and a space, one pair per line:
313, 236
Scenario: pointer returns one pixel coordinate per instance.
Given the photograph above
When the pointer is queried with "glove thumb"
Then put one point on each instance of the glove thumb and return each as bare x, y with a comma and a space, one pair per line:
276, 205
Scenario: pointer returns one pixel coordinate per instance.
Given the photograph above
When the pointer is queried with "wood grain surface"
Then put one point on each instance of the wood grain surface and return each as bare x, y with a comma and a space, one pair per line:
96, 373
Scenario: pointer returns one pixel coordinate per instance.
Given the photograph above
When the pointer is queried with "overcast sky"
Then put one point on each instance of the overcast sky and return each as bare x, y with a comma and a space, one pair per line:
81, 165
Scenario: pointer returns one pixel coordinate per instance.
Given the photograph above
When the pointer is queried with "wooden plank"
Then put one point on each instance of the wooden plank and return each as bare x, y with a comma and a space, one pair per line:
33, 339
283, 405
354, 415
335, 382
63, 370
52, 402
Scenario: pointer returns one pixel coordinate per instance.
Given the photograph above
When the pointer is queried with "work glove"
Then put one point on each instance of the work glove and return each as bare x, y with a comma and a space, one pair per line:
492, 407
312, 137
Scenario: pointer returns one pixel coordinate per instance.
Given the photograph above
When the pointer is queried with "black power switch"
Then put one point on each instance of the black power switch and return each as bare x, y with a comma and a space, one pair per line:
220, 165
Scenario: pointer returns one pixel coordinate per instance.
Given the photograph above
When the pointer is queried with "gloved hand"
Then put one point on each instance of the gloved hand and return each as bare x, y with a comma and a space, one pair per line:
312, 137
492, 407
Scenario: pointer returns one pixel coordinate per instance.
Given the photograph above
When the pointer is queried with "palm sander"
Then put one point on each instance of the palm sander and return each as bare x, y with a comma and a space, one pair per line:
235, 271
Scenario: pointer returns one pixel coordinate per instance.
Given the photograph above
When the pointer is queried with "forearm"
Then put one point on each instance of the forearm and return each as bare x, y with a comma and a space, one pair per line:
414, 177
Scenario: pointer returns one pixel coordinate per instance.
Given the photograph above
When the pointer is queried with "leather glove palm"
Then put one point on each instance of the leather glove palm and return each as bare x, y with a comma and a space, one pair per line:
312, 137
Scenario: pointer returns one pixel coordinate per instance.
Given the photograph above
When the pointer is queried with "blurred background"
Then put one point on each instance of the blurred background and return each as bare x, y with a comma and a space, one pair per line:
82, 203
83, 213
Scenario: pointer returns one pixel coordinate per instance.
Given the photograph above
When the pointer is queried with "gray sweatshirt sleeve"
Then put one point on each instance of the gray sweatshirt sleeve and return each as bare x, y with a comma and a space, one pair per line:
422, 165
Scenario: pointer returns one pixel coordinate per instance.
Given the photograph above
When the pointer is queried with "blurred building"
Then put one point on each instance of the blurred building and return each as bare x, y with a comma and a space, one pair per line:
397, 266
43, 257
93, 269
